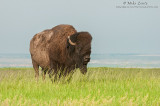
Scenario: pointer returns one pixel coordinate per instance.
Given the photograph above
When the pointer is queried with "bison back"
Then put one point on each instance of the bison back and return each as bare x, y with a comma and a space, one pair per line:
50, 43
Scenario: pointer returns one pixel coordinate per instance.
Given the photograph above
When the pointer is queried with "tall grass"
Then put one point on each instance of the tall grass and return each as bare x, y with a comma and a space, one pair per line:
100, 86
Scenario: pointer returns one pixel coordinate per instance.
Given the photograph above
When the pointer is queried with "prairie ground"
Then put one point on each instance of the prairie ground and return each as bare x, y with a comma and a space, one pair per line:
100, 86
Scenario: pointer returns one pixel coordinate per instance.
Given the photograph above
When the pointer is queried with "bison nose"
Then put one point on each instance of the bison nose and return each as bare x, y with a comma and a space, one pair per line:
87, 59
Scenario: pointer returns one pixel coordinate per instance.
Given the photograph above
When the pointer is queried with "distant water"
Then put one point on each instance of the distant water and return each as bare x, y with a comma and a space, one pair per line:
97, 60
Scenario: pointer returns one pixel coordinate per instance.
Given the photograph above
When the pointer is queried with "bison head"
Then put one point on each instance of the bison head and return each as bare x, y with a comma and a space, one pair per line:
79, 48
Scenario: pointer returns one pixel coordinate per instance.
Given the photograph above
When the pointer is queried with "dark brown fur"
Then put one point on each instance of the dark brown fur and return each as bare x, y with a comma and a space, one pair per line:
52, 51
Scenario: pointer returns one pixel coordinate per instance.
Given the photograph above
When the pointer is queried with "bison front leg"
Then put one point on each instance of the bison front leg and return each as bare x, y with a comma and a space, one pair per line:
53, 74
68, 73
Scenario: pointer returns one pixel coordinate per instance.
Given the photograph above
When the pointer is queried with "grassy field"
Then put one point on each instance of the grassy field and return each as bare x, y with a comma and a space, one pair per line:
100, 86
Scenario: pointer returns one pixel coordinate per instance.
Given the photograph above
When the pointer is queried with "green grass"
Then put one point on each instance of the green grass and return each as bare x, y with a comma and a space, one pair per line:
100, 86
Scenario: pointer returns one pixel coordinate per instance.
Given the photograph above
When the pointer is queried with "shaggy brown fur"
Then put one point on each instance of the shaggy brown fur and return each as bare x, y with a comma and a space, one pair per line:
52, 51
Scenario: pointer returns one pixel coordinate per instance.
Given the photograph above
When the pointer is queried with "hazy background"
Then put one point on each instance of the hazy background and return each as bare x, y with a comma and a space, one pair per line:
114, 30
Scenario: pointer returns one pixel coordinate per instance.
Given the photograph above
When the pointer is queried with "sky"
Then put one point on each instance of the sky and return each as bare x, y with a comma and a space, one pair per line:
114, 30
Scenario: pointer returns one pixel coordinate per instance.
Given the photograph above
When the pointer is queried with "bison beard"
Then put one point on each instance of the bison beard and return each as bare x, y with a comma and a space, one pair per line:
60, 50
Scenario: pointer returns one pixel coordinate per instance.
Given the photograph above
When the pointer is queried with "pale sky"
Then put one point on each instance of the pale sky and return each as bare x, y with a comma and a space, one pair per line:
114, 30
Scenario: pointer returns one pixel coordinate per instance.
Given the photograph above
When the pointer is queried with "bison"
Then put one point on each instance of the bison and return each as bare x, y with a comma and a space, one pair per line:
60, 49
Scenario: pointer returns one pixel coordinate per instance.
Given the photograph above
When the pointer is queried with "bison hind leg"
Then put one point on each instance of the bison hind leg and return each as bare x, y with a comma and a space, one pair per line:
36, 68
44, 71
51, 73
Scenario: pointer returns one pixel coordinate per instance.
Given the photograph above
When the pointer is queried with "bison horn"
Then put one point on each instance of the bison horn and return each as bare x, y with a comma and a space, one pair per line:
72, 43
